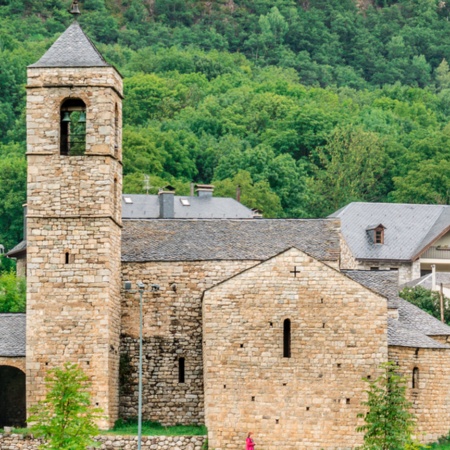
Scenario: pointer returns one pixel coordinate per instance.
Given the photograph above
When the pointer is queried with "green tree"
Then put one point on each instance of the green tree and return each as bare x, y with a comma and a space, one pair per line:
389, 424
66, 419
12, 292
427, 300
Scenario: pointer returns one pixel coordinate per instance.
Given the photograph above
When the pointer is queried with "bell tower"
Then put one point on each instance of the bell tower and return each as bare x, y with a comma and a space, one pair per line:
74, 135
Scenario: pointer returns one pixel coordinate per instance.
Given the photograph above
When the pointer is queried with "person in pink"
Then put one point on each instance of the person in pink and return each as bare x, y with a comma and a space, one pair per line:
249, 441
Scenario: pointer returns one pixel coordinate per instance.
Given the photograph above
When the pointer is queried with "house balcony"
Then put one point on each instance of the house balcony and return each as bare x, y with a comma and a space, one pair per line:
439, 253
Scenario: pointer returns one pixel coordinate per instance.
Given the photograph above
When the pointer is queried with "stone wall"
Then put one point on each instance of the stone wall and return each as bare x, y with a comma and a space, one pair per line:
431, 396
338, 334
14, 361
73, 232
172, 330
19, 442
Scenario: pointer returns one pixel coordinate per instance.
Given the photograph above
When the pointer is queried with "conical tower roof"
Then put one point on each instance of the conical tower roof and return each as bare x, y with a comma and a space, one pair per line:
72, 49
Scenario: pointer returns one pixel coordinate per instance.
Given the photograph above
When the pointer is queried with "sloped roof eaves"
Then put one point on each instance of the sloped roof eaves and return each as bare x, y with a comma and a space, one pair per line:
234, 239
407, 228
12, 334
383, 282
400, 335
21, 247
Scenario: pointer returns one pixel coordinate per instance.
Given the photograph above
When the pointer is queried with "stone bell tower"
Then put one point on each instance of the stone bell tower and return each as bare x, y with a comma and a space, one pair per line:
74, 135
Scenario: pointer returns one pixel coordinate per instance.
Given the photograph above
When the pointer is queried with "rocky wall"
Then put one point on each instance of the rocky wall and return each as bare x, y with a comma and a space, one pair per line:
430, 395
172, 330
19, 442
285, 346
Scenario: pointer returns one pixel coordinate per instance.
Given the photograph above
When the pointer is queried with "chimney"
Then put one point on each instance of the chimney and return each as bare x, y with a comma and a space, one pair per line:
238, 194
25, 210
192, 189
433, 277
205, 190
166, 198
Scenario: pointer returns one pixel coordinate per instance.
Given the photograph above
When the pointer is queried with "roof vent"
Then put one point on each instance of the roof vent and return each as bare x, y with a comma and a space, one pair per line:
205, 190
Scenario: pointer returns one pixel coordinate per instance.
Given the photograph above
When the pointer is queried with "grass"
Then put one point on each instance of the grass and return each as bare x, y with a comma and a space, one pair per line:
156, 429
148, 429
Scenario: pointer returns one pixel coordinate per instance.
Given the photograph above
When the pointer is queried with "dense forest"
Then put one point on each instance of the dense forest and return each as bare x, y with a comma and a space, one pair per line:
306, 104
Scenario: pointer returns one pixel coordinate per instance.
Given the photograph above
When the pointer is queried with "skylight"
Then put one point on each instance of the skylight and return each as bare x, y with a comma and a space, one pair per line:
185, 202
128, 200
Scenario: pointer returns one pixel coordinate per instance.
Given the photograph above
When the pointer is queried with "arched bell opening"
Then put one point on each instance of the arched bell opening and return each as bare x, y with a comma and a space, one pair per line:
12, 397
73, 127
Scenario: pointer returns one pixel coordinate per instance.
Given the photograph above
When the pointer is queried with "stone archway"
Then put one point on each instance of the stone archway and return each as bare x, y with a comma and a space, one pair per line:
12, 397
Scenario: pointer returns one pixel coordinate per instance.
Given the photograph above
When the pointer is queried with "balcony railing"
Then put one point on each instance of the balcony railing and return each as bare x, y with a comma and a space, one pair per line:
437, 253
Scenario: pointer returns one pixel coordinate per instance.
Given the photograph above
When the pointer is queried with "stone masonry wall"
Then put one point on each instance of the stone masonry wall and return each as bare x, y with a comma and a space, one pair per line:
73, 232
19, 442
172, 329
18, 362
338, 334
431, 399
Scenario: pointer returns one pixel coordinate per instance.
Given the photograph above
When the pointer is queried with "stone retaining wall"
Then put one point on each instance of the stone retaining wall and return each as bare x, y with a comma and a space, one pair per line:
20, 442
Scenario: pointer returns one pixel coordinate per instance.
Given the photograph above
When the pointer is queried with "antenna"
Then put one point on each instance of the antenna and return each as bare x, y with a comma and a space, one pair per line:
147, 183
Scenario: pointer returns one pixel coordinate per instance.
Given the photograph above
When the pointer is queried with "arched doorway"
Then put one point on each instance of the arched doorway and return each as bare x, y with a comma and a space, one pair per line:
12, 397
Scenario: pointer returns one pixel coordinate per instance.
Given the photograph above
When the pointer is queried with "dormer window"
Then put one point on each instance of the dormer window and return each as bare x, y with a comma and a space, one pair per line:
376, 233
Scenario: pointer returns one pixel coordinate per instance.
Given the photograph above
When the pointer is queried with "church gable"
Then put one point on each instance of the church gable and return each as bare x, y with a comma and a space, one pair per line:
286, 345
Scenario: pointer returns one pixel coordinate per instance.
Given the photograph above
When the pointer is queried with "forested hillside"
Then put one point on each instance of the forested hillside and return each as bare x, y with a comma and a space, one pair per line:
307, 104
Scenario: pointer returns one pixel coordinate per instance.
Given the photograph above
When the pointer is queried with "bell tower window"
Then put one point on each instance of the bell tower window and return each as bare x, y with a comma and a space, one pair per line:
73, 127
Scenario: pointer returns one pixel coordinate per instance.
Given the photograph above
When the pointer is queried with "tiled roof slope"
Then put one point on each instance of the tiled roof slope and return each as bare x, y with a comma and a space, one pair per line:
12, 334
72, 49
402, 336
383, 282
409, 228
19, 248
426, 280
233, 239
411, 317
147, 207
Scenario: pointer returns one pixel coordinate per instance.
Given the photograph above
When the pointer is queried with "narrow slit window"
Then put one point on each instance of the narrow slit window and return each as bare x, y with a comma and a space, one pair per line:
67, 258
181, 372
116, 131
73, 127
115, 197
415, 378
287, 338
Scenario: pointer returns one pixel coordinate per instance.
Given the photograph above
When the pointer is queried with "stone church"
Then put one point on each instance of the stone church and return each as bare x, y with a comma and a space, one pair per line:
249, 324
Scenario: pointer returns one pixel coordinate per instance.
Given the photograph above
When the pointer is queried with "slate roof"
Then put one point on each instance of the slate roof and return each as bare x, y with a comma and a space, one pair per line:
233, 239
426, 280
384, 282
19, 248
72, 49
409, 228
414, 326
402, 336
12, 334
147, 207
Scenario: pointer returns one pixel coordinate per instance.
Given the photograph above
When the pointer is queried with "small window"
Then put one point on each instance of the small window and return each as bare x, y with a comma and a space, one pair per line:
415, 378
116, 132
287, 338
374, 268
73, 127
378, 237
185, 202
67, 258
181, 374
